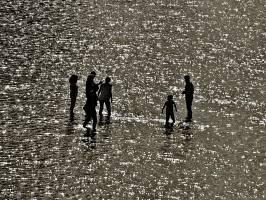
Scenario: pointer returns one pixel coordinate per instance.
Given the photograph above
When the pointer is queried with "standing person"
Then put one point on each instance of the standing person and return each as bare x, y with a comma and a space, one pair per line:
91, 95
105, 95
73, 94
169, 104
189, 91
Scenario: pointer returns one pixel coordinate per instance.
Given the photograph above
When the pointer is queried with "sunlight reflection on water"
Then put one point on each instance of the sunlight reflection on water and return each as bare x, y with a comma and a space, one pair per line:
146, 48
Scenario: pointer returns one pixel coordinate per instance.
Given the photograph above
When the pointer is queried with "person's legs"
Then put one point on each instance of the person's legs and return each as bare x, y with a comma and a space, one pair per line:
173, 117
87, 110
94, 119
101, 108
108, 106
167, 119
72, 106
189, 100
87, 118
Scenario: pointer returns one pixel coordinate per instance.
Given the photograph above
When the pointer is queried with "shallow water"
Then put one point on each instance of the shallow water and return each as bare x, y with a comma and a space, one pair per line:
146, 48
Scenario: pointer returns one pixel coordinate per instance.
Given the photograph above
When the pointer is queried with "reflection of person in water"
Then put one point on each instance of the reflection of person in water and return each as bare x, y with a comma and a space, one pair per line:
105, 95
189, 91
73, 94
91, 95
169, 105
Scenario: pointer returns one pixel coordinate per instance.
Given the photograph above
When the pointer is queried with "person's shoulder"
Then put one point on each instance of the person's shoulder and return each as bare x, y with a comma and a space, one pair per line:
108, 85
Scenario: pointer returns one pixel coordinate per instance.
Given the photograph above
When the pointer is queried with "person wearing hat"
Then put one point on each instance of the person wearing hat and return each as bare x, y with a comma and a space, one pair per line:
189, 91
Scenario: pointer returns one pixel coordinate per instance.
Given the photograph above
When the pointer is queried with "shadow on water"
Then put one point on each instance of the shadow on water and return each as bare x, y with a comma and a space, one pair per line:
169, 131
187, 134
90, 138
178, 140
70, 127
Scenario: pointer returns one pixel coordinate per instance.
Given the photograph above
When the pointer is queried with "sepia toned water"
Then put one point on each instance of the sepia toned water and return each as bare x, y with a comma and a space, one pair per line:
146, 47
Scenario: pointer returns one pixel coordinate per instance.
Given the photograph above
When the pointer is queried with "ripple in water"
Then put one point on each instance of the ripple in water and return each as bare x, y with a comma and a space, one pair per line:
146, 48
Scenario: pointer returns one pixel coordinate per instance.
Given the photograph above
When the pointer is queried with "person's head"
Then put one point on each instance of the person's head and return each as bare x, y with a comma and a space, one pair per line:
170, 97
90, 78
187, 78
107, 79
93, 73
73, 79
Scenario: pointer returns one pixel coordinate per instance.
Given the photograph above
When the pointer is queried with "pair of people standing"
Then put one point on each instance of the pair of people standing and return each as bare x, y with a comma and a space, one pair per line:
104, 95
170, 104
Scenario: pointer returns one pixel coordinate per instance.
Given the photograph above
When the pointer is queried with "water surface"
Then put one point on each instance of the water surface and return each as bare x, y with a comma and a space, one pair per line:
146, 48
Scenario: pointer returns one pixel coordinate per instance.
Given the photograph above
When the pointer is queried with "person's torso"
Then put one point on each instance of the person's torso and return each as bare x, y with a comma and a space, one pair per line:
105, 92
73, 90
169, 106
189, 89
91, 89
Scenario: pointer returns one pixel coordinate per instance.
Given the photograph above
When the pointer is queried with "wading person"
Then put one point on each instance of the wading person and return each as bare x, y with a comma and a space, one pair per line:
189, 91
73, 94
169, 105
91, 95
105, 95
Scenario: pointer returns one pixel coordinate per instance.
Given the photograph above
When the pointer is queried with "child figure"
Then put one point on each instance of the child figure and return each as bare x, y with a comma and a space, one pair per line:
73, 94
105, 95
169, 104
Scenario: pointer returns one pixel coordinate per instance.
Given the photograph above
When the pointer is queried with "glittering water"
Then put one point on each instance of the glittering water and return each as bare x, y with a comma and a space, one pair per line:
145, 47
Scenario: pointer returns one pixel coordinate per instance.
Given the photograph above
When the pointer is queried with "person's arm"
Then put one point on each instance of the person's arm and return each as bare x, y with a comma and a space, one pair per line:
111, 95
99, 90
175, 107
185, 91
96, 88
163, 107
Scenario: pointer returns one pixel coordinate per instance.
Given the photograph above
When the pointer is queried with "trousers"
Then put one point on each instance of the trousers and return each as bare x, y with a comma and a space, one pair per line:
108, 107
189, 100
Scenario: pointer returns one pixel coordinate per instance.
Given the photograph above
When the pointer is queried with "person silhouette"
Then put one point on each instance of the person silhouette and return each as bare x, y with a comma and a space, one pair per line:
189, 91
105, 95
91, 103
73, 94
169, 105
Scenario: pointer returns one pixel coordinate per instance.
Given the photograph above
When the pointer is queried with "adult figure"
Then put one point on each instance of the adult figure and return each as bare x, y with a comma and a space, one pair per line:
105, 95
189, 91
73, 94
91, 95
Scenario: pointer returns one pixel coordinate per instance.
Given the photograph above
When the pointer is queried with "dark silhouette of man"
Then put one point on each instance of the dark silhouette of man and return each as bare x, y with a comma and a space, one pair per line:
189, 91
91, 95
